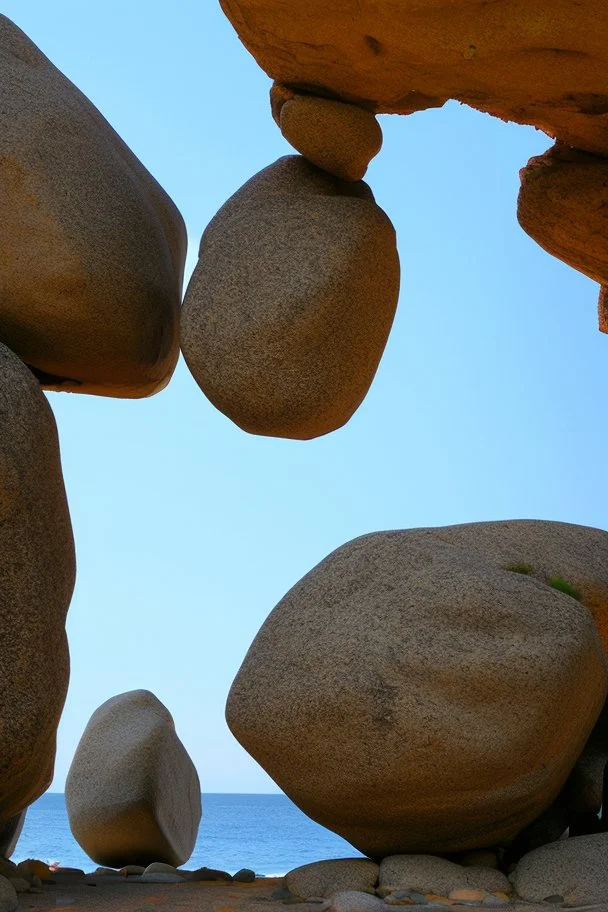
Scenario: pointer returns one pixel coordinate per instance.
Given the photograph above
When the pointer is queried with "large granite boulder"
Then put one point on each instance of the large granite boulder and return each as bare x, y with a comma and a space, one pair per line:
289, 308
540, 63
133, 795
91, 248
37, 571
430, 690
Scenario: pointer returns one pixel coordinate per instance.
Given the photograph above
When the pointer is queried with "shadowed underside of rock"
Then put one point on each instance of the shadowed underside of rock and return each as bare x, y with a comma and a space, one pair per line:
37, 570
540, 62
91, 248
431, 690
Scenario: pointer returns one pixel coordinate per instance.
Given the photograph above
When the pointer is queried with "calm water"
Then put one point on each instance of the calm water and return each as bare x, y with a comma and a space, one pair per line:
264, 832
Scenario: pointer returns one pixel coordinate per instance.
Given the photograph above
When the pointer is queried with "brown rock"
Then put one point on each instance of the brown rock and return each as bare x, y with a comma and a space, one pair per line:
602, 309
339, 138
540, 63
92, 249
37, 570
563, 205
445, 682
291, 303
132, 793
10, 833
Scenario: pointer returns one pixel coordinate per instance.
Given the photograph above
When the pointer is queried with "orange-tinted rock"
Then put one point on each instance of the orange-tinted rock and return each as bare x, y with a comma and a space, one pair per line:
91, 248
540, 62
602, 309
563, 205
37, 570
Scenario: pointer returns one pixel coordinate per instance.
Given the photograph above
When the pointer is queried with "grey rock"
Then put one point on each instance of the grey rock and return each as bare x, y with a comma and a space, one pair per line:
431, 874
384, 735
20, 884
326, 878
37, 571
245, 875
289, 308
92, 249
10, 833
133, 795
356, 901
208, 874
573, 868
159, 867
131, 870
8, 896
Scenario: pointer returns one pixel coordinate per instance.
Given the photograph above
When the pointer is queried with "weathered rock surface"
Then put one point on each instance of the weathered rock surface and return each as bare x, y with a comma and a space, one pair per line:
92, 249
573, 868
37, 570
10, 833
431, 874
339, 138
563, 205
8, 896
132, 793
355, 901
445, 684
289, 308
326, 878
540, 63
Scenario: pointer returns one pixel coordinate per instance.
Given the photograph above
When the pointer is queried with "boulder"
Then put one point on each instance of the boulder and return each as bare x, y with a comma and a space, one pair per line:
10, 833
355, 901
207, 874
8, 896
431, 874
540, 63
446, 681
245, 875
339, 138
326, 878
91, 248
563, 205
159, 867
37, 571
289, 308
133, 795
572, 868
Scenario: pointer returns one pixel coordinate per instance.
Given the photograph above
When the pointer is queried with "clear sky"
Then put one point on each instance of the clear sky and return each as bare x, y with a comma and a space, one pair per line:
489, 402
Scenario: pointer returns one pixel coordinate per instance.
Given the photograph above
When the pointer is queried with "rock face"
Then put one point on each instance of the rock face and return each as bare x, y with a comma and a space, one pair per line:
325, 878
339, 138
92, 249
430, 874
563, 205
573, 868
8, 896
10, 833
289, 309
444, 680
133, 795
37, 570
540, 63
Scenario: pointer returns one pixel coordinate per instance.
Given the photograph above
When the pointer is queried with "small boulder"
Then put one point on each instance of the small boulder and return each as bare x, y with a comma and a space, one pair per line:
431, 874
208, 874
132, 793
575, 869
8, 896
159, 867
289, 308
245, 875
339, 138
355, 901
131, 870
326, 878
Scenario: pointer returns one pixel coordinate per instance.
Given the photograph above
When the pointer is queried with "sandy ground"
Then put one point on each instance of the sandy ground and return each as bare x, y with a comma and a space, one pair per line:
193, 897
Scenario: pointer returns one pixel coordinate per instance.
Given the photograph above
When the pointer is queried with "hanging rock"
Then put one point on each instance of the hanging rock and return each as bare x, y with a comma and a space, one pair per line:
339, 138
289, 308
91, 248
446, 680
37, 570
563, 205
132, 793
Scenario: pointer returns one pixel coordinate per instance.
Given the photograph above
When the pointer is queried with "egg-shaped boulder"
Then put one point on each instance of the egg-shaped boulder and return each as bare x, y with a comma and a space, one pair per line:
37, 573
133, 795
430, 691
289, 308
92, 249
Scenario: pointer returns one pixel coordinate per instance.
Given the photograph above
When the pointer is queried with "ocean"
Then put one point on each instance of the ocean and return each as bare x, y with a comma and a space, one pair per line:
267, 833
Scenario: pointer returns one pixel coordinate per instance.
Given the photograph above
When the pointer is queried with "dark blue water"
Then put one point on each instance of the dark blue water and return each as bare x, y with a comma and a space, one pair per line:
264, 832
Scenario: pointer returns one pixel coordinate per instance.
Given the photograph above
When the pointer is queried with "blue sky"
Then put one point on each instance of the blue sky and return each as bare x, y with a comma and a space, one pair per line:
488, 404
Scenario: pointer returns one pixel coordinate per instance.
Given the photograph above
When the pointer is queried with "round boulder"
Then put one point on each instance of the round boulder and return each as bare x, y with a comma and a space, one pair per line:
446, 681
37, 572
289, 308
91, 248
133, 795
